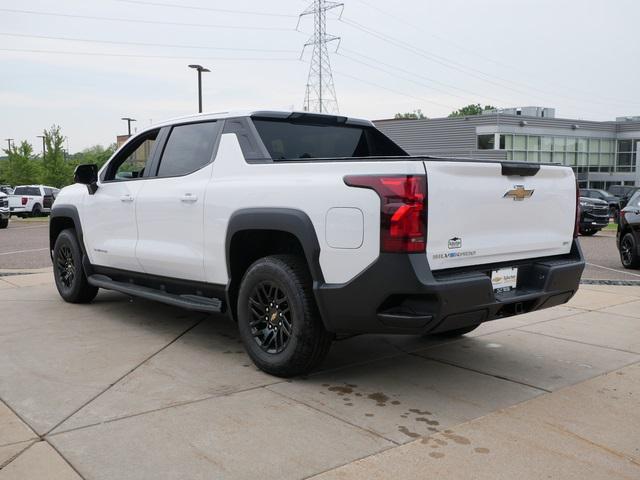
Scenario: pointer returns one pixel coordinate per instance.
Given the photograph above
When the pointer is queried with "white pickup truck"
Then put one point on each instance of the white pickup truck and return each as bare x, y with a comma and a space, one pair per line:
303, 227
32, 200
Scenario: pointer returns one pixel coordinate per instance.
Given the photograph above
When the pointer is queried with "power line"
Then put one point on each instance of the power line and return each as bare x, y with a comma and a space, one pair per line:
398, 92
396, 68
475, 53
147, 22
208, 9
479, 74
135, 55
144, 44
446, 63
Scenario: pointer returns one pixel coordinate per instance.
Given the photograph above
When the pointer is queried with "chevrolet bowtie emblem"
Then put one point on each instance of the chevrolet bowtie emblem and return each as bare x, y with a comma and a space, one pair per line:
519, 193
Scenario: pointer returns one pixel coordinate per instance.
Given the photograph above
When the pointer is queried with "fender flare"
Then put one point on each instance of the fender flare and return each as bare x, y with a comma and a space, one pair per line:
289, 220
66, 211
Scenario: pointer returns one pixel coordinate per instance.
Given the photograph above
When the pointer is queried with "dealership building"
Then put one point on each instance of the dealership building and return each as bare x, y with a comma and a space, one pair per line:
601, 153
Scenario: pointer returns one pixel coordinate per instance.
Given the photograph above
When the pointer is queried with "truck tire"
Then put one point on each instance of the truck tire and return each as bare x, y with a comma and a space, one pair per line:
36, 211
68, 273
4, 223
629, 251
278, 319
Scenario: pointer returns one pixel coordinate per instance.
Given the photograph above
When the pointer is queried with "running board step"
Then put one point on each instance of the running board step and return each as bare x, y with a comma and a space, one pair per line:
190, 302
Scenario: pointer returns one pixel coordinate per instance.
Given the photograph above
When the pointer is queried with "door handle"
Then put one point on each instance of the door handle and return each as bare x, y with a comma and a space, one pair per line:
189, 198
126, 198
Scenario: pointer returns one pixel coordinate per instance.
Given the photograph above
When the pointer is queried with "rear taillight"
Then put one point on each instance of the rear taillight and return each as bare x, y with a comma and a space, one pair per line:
403, 213
576, 228
24, 200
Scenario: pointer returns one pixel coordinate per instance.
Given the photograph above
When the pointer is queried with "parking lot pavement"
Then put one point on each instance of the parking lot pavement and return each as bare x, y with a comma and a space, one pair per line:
603, 259
134, 389
24, 244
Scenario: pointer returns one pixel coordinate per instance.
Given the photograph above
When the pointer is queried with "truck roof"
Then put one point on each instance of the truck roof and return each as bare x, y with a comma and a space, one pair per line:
260, 113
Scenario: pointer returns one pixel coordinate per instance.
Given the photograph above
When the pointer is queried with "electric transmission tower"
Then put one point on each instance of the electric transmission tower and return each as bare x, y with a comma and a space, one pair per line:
320, 95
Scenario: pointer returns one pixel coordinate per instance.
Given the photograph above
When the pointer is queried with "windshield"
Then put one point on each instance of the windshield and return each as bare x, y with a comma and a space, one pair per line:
300, 139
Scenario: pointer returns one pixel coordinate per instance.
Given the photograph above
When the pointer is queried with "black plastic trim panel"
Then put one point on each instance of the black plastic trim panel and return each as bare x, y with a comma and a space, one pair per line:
400, 294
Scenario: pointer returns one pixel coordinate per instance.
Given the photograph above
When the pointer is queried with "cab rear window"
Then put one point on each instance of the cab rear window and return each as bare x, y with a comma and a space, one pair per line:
295, 140
35, 191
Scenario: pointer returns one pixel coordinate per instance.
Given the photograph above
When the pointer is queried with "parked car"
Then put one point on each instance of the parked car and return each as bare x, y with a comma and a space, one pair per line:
628, 237
6, 189
4, 210
624, 192
612, 200
32, 200
594, 215
302, 227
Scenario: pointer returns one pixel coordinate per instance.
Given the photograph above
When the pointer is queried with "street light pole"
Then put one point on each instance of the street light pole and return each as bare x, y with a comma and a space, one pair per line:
128, 120
200, 70
9, 140
43, 145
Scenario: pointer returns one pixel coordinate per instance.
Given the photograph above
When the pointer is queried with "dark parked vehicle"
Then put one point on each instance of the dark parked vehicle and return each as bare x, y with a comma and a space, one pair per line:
594, 215
612, 200
628, 237
624, 192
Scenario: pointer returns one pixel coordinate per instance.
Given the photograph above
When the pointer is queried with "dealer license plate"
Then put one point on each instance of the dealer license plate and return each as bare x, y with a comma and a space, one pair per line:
504, 279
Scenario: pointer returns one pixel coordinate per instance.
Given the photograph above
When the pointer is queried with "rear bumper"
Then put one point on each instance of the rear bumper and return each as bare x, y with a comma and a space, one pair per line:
15, 210
400, 294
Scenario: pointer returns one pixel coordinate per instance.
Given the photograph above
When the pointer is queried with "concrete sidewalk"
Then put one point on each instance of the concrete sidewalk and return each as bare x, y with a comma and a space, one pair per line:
138, 390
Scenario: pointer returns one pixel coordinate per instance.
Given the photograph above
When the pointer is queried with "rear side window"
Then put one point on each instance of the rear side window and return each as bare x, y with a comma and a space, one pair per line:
300, 140
35, 191
189, 148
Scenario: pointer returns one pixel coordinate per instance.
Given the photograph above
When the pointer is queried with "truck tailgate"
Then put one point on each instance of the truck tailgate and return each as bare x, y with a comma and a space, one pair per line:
477, 215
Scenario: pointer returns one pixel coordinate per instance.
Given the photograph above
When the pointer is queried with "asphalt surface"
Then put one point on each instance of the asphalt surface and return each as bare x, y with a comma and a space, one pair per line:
24, 245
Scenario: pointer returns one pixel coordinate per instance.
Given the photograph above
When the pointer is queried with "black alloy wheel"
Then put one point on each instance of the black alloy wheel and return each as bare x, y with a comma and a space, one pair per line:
68, 273
629, 252
278, 319
65, 265
271, 317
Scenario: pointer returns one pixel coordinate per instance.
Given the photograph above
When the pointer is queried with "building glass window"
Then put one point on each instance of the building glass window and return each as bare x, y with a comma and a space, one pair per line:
486, 142
519, 142
583, 144
546, 144
506, 142
570, 159
594, 145
558, 144
545, 157
533, 157
533, 144
558, 157
571, 144
520, 156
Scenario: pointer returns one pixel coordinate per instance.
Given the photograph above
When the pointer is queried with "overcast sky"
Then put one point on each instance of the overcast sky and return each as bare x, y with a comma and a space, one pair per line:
580, 56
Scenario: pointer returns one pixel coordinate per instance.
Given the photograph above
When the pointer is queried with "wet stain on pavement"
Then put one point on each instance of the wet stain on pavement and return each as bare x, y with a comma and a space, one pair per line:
436, 454
407, 432
380, 398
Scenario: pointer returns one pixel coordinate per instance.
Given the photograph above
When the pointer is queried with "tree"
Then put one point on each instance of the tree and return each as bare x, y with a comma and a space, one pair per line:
20, 167
96, 154
415, 115
56, 171
471, 109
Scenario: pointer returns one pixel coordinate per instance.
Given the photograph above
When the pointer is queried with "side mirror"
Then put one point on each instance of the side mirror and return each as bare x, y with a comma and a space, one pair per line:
87, 174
